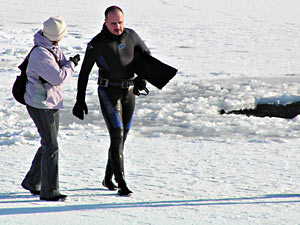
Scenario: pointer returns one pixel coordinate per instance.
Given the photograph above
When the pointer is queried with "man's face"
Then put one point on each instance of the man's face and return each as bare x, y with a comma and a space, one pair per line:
115, 22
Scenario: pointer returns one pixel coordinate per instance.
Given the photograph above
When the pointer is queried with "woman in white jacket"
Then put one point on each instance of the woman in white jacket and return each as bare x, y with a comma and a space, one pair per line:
47, 71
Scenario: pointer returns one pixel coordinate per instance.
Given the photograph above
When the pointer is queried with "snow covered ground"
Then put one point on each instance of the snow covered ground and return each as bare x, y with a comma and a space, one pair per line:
185, 163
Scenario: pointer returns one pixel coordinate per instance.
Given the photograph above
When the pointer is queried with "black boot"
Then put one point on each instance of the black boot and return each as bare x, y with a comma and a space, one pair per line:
117, 161
57, 198
32, 191
109, 184
124, 191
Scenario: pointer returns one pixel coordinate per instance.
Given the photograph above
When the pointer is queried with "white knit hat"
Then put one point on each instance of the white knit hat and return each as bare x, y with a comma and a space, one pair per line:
54, 28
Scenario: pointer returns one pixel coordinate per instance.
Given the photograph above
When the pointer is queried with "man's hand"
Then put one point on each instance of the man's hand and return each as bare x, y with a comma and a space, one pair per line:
80, 109
140, 85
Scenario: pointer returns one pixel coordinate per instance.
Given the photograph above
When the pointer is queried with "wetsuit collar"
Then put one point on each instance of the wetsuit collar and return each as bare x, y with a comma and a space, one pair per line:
110, 35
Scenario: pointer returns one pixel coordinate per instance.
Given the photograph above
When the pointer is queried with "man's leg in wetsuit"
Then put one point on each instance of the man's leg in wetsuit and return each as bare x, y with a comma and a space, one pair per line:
117, 107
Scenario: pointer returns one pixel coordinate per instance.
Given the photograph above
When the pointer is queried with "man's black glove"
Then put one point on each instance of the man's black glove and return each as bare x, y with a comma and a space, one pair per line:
75, 59
79, 109
140, 85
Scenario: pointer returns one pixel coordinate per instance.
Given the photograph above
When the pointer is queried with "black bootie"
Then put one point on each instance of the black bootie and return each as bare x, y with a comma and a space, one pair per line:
109, 185
124, 190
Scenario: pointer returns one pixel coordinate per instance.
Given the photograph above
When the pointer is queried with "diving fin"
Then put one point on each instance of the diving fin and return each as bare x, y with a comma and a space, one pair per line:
153, 70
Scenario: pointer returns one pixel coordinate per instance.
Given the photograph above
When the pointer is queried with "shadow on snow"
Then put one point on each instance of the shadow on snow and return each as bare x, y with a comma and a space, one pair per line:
266, 199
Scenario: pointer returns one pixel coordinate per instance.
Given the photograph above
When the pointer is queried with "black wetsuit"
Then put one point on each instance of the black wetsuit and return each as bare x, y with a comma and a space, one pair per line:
114, 56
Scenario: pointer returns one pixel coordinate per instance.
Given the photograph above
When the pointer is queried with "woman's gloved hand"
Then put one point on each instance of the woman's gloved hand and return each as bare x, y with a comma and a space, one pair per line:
75, 59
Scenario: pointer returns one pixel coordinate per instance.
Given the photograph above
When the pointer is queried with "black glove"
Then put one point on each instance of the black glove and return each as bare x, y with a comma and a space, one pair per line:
79, 109
75, 59
140, 85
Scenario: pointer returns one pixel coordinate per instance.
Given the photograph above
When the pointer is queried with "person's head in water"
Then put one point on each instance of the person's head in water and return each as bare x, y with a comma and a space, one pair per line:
114, 20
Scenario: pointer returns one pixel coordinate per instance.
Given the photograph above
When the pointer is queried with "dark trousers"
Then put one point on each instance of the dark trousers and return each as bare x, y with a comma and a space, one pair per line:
43, 172
117, 106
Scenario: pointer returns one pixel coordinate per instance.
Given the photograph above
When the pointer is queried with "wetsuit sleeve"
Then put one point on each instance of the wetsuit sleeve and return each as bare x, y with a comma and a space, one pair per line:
86, 67
139, 45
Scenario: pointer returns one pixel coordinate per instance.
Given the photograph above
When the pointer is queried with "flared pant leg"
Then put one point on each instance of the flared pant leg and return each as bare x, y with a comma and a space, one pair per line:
47, 123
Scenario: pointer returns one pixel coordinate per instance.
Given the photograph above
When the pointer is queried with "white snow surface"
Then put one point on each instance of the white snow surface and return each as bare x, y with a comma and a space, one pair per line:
185, 163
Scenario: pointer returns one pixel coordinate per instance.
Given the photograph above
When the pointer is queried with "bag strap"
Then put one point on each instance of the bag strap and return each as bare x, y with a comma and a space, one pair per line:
55, 56
26, 60
23, 65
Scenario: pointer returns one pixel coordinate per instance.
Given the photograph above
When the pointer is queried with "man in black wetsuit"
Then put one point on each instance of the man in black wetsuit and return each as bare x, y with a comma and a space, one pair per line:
113, 50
